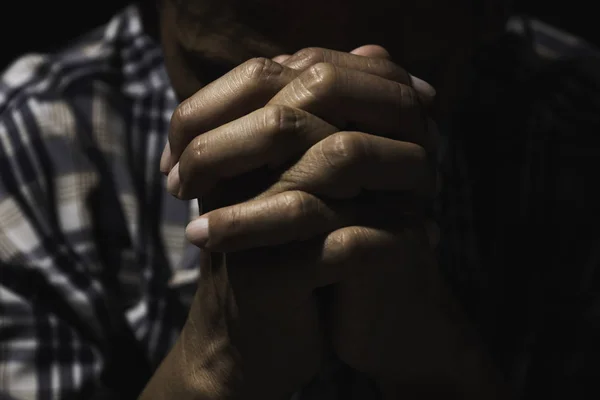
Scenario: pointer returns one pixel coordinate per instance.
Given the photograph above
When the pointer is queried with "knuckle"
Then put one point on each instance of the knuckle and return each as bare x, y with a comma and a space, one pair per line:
279, 118
407, 96
260, 69
196, 151
347, 243
310, 56
346, 250
180, 117
229, 226
343, 149
323, 73
191, 165
298, 205
387, 68
320, 78
192, 155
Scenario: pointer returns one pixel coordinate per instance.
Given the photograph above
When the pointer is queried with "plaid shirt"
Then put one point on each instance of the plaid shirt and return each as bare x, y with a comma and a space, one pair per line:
91, 245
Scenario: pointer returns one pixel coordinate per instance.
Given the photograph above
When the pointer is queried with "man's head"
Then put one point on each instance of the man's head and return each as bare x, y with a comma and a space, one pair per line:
204, 38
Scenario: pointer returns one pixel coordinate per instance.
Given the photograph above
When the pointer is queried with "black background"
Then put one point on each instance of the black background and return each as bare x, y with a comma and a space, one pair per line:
37, 25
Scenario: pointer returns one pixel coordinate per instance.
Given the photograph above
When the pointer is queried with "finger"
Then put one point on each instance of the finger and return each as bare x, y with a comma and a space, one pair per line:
334, 256
269, 136
349, 98
375, 51
380, 66
290, 217
373, 59
350, 162
388, 283
250, 86
325, 259
242, 90
385, 283
165, 158
283, 218
349, 250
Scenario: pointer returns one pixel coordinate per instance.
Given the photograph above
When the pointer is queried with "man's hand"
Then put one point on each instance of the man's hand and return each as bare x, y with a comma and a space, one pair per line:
301, 197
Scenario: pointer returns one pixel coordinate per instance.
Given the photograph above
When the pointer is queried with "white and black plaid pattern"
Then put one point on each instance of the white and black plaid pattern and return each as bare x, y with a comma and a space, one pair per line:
89, 239
82, 206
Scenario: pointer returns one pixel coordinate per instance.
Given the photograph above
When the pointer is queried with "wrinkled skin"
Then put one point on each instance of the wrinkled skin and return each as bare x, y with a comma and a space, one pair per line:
316, 173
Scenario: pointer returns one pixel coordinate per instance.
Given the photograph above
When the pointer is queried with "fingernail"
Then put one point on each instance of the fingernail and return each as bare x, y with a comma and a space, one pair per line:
165, 159
371, 50
197, 231
281, 58
173, 181
423, 87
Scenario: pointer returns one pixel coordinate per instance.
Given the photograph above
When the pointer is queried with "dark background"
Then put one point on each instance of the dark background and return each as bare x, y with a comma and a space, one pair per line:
38, 25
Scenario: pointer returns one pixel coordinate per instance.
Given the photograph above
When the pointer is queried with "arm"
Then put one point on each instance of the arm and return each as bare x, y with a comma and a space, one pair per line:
42, 355
46, 297
237, 343
202, 364
57, 328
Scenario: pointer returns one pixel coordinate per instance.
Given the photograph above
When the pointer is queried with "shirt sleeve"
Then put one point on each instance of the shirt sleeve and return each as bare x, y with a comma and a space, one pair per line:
52, 308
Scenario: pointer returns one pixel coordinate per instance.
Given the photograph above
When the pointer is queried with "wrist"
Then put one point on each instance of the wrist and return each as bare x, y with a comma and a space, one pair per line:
194, 369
